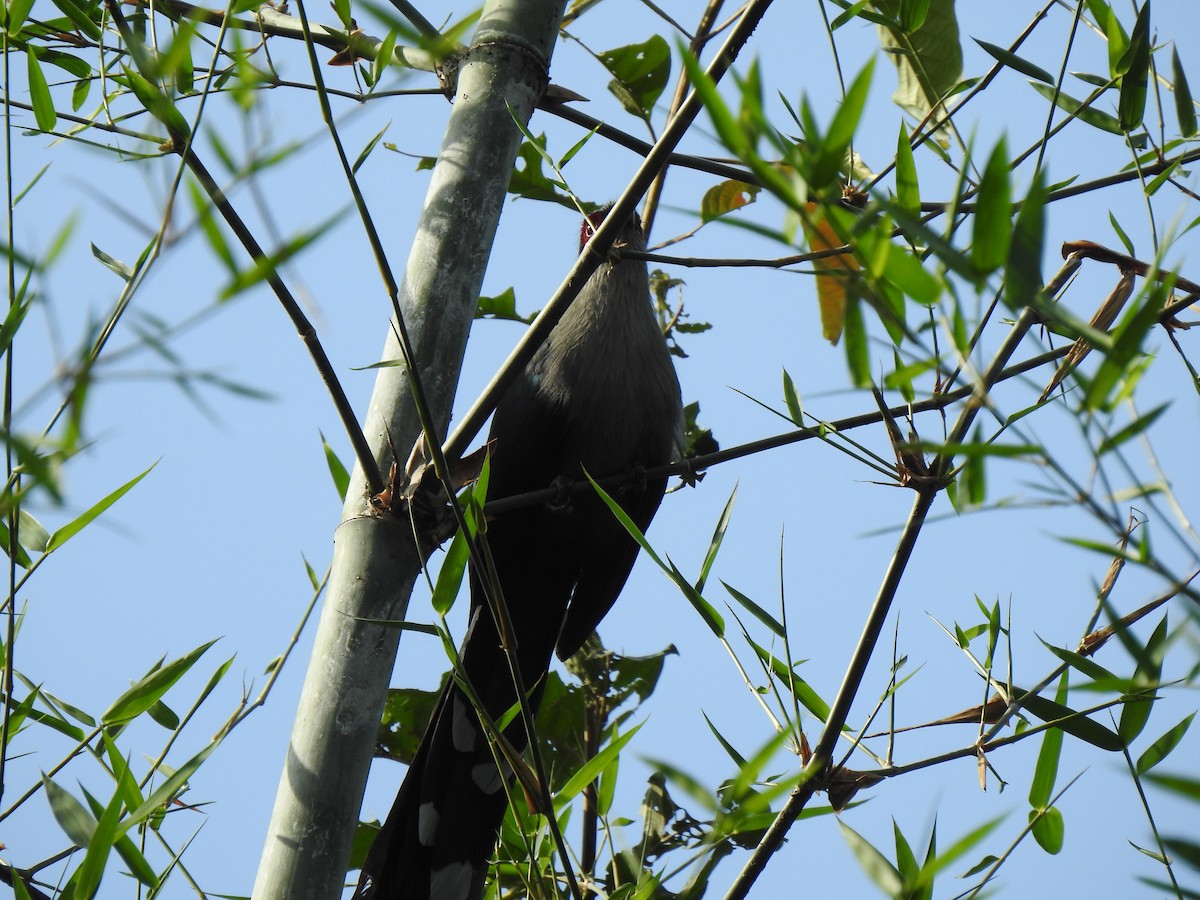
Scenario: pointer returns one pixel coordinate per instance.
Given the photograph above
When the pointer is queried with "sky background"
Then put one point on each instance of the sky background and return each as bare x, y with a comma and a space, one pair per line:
211, 544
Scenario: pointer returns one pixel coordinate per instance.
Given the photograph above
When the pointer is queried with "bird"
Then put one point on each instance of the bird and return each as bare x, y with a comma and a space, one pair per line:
600, 396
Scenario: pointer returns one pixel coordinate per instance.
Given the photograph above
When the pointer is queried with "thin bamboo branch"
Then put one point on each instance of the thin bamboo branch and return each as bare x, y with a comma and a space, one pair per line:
927, 489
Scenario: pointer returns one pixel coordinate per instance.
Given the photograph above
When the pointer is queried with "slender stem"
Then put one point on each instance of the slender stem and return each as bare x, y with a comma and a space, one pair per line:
840, 709
308, 334
927, 491
13, 478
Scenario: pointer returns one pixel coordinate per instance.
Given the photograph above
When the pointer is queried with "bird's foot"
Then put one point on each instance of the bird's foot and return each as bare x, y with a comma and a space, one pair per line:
561, 502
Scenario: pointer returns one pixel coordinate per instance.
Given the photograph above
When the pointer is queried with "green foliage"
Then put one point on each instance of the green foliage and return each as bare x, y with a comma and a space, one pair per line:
640, 72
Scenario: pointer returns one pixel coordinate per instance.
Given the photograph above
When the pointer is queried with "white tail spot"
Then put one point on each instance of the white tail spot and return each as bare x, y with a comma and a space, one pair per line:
427, 823
463, 728
452, 882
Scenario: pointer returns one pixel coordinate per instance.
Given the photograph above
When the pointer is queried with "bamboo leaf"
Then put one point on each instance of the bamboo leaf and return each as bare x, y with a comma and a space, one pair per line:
76, 525
755, 610
591, 770
1023, 273
18, 12
718, 536
908, 191
1048, 828
1161, 749
1136, 65
75, 821
150, 689
337, 471
1185, 109
1041, 788
1087, 114
872, 862
87, 877
39, 95
168, 789
857, 354
1072, 722
1016, 63
1132, 430
993, 214
1136, 711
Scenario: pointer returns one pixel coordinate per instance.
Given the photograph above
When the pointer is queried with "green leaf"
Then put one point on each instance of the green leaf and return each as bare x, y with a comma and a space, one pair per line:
75, 821
150, 689
342, 9
1125, 240
725, 197
123, 270
160, 106
503, 307
1185, 786
87, 877
174, 783
1041, 788
872, 862
831, 155
792, 400
1136, 66
640, 72
755, 610
713, 619
384, 55
366, 151
39, 95
729, 749
1076, 108
1160, 749
211, 229
1072, 722
30, 532
1136, 711
707, 612
928, 59
528, 178
81, 19
76, 525
906, 861
1125, 348
20, 892
1023, 273
337, 471
795, 685
164, 715
718, 537
591, 770
908, 191
854, 336
1084, 664
1185, 109
993, 214
454, 566
266, 267
18, 12
1016, 63
1048, 828
1132, 430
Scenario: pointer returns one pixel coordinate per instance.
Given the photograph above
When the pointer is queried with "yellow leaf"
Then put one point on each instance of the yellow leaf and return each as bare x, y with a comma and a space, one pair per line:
831, 272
